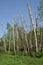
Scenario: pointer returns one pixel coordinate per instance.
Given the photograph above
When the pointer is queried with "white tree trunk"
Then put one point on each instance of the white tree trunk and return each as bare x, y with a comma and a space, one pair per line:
32, 23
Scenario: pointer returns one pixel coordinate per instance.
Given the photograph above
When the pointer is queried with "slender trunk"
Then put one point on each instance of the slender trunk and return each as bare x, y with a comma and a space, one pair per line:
41, 45
27, 42
17, 37
22, 22
4, 44
26, 32
4, 39
9, 40
38, 34
14, 39
32, 26
30, 40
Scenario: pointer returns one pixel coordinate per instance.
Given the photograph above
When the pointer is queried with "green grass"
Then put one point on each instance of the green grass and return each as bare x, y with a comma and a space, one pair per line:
7, 59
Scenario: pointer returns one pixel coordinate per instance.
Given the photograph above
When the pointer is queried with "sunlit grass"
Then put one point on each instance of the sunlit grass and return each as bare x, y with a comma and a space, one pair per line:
7, 59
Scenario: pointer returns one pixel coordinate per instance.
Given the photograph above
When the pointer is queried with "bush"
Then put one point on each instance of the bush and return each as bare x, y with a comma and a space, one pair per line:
39, 54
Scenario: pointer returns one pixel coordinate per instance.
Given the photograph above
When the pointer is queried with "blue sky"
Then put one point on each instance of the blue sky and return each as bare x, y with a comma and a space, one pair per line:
9, 10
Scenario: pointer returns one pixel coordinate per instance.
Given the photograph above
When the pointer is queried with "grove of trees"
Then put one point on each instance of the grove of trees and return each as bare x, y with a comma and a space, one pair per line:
17, 39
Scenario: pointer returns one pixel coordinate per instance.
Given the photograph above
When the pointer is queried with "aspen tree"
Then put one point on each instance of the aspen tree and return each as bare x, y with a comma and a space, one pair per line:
4, 38
30, 39
32, 23
37, 31
17, 37
13, 37
9, 39
26, 31
26, 43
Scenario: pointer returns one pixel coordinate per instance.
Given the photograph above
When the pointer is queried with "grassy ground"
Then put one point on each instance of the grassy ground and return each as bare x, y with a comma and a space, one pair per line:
7, 59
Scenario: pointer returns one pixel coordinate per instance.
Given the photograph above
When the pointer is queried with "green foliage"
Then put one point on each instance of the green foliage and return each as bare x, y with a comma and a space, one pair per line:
38, 54
21, 41
7, 59
40, 10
